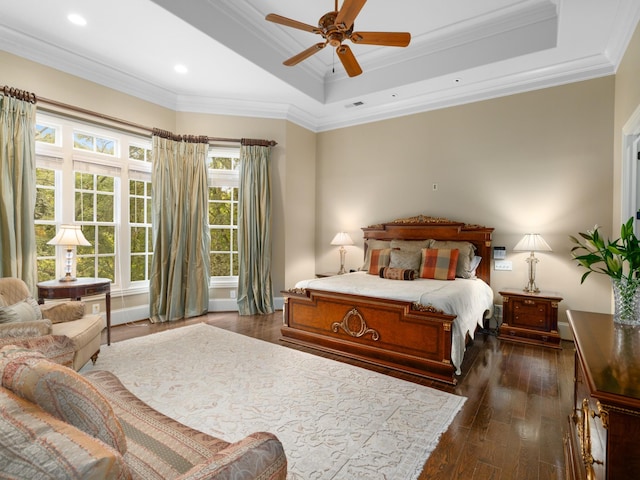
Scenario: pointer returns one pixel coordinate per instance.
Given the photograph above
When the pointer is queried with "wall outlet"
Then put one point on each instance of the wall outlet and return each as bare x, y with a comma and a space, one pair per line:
232, 294
95, 308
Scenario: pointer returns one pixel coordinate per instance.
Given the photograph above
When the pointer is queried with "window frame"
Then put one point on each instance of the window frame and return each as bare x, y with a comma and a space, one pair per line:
228, 179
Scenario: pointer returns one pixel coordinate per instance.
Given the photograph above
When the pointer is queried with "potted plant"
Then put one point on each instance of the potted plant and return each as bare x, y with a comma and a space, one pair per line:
620, 260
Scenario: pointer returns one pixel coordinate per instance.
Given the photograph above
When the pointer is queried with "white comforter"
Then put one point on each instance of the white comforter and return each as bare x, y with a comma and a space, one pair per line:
468, 299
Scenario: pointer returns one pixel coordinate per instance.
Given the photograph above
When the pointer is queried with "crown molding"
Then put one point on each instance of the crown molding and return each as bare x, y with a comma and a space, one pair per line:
69, 62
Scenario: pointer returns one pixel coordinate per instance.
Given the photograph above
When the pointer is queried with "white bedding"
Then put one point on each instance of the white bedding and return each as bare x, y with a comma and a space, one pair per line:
468, 299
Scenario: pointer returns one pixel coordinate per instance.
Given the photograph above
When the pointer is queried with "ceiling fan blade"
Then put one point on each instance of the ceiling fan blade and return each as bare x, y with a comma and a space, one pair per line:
390, 39
304, 54
287, 22
348, 60
348, 13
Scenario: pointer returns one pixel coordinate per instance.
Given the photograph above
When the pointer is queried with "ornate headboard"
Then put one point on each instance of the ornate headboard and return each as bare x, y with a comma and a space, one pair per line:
424, 227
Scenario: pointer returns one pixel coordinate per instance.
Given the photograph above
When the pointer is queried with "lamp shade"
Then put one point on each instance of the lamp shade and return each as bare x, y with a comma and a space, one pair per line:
532, 242
69, 235
342, 238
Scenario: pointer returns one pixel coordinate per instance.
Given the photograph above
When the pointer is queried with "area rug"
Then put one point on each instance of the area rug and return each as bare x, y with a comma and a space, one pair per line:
336, 421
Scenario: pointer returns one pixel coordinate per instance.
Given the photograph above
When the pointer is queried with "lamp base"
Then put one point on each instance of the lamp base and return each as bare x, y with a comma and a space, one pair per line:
531, 286
343, 251
67, 278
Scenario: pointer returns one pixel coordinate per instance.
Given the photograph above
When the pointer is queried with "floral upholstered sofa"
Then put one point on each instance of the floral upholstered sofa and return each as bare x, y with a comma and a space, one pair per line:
57, 423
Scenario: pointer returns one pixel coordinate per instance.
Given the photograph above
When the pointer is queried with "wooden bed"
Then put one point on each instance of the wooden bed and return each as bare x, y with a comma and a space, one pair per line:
401, 335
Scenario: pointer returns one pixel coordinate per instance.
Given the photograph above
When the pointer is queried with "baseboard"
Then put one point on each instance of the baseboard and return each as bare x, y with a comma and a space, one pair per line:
134, 314
565, 331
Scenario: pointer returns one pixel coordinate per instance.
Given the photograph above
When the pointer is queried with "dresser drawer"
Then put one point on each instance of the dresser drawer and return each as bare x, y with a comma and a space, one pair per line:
530, 313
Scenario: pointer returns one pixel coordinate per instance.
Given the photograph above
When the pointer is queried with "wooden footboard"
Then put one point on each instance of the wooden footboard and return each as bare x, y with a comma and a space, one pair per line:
390, 333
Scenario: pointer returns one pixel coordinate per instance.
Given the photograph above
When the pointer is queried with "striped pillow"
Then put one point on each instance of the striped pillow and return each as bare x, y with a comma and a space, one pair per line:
379, 259
62, 392
439, 264
397, 273
35, 444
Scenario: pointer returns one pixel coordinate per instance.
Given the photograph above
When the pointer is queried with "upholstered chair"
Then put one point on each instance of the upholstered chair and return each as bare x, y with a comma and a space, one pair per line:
24, 322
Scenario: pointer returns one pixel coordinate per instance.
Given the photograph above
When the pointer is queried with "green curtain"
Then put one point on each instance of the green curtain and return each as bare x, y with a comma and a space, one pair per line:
179, 279
255, 295
18, 186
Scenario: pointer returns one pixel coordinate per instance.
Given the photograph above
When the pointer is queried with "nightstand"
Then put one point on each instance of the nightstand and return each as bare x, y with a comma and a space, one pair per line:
530, 318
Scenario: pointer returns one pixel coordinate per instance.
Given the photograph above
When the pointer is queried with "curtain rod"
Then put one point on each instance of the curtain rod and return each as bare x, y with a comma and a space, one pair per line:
11, 91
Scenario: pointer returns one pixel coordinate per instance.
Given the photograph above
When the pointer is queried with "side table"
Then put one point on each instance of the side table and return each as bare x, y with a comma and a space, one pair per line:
75, 290
530, 317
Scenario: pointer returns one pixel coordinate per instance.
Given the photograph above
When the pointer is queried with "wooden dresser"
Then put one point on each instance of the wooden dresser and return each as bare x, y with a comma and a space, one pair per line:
603, 439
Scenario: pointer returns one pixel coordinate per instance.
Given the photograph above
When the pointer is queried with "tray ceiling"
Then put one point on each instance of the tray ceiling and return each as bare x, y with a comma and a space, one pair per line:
460, 52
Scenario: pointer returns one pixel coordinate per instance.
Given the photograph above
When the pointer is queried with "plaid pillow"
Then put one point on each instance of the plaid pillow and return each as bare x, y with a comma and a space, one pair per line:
379, 259
439, 264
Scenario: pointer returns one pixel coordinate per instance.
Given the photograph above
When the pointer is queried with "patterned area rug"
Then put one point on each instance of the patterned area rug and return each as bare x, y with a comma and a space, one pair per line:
336, 421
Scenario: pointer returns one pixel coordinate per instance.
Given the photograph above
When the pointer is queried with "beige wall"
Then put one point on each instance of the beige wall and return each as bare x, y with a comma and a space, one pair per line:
55, 85
627, 102
539, 161
299, 206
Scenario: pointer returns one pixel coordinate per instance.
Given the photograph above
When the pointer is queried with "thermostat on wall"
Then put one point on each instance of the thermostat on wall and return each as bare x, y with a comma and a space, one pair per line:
499, 253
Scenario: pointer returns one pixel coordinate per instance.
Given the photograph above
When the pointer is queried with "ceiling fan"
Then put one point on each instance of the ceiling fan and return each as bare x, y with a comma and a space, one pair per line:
337, 26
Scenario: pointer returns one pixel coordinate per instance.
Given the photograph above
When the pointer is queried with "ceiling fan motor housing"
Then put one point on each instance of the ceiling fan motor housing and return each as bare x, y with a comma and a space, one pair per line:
335, 27
334, 34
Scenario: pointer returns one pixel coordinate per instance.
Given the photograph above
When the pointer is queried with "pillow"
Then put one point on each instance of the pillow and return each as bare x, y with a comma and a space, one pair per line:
26, 311
406, 260
379, 258
411, 245
439, 264
467, 252
63, 312
36, 445
474, 265
370, 245
397, 273
61, 392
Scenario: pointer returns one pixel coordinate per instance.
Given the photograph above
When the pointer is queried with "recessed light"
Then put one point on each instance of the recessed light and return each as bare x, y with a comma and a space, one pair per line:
77, 19
180, 68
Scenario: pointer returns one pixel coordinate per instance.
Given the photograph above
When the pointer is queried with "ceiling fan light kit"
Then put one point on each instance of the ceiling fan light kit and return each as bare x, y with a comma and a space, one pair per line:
337, 26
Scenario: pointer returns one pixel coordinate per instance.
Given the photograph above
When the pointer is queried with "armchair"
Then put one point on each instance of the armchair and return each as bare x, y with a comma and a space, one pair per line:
62, 327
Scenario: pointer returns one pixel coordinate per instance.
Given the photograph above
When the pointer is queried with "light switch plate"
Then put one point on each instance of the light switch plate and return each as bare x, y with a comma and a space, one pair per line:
502, 265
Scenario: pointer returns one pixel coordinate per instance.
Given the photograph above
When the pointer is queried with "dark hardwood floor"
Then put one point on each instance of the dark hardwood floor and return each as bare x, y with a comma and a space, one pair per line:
511, 426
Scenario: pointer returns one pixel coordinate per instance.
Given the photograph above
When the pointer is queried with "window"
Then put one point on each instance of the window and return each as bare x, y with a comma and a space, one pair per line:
224, 176
97, 178
95, 211
45, 222
100, 179
94, 143
140, 225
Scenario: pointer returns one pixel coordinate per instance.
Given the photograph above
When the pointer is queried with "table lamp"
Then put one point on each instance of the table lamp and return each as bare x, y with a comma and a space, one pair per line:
342, 239
532, 242
69, 236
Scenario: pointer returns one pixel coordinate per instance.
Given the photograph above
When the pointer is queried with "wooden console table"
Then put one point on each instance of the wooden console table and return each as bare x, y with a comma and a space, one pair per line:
75, 290
604, 427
